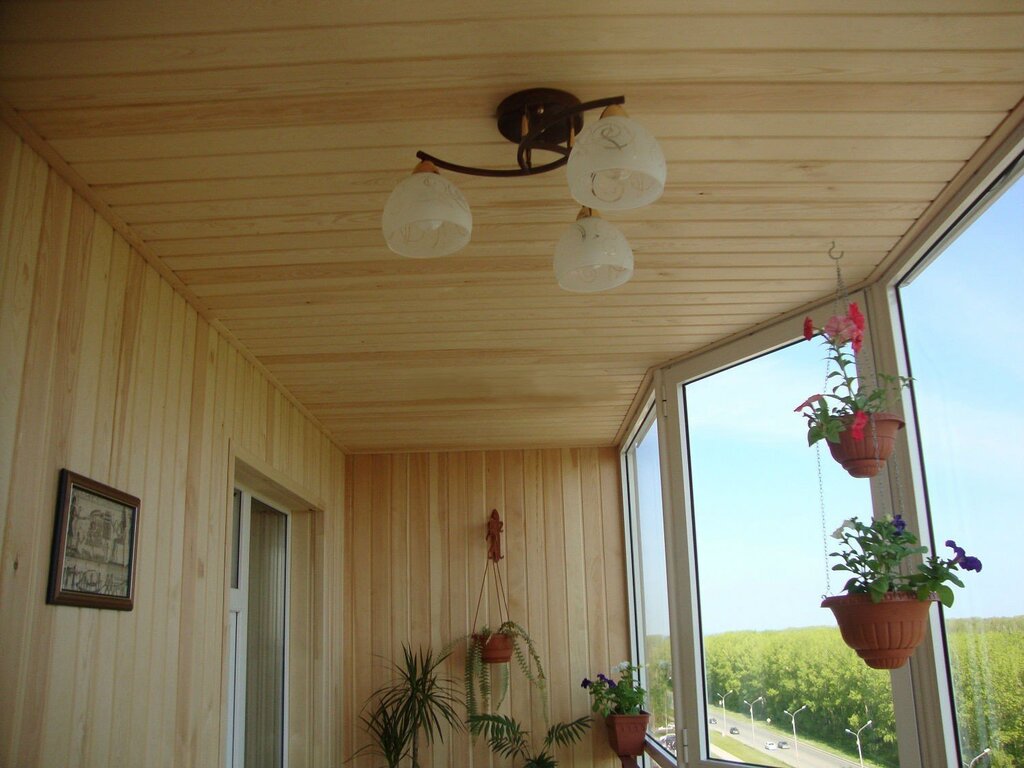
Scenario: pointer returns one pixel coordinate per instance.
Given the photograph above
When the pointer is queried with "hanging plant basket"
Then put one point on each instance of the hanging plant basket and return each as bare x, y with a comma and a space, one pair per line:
496, 648
884, 634
866, 457
627, 733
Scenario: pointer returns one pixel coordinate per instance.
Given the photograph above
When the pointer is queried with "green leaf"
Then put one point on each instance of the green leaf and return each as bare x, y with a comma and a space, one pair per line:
945, 595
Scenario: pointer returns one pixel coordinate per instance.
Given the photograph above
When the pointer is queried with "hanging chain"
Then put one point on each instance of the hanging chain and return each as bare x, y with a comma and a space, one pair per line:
824, 525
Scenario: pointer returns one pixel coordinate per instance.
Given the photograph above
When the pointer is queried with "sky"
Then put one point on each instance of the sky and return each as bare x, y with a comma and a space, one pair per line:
758, 518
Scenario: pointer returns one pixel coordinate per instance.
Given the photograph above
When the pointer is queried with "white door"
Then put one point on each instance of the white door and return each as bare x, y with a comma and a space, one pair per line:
257, 634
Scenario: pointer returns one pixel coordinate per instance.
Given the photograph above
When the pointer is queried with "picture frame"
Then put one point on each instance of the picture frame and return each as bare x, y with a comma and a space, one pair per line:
95, 535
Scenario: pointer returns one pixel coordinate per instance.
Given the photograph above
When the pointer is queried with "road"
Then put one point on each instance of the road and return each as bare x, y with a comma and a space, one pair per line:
809, 756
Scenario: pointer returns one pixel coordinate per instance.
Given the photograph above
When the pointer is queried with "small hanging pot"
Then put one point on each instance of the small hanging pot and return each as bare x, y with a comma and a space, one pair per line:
496, 648
866, 457
627, 733
884, 634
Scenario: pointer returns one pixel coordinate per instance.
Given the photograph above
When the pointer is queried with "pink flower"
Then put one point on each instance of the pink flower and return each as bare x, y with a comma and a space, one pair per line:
840, 329
808, 328
857, 428
808, 402
854, 313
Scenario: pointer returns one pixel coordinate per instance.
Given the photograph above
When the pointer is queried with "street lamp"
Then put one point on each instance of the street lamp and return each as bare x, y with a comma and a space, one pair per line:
721, 700
856, 735
751, 705
976, 759
796, 743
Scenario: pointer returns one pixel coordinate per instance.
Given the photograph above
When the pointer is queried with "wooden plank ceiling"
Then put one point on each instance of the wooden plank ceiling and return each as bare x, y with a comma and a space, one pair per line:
248, 150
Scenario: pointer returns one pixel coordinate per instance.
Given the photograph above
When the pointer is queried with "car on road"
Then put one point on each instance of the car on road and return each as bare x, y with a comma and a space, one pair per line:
770, 745
713, 720
669, 742
734, 729
783, 745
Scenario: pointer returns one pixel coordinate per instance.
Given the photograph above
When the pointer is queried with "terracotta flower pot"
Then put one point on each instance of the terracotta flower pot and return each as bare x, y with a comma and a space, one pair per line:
884, 634
497, 648
866, 457
627, 733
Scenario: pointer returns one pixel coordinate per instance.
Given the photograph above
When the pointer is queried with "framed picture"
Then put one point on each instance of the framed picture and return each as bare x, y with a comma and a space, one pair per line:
94, 538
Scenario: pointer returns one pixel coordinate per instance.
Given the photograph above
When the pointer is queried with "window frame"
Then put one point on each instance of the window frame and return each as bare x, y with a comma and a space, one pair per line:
925, 732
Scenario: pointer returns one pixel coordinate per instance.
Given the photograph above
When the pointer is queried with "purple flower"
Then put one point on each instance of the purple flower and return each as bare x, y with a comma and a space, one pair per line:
960, 552
899, 524
971, 563
602, 678
586, 683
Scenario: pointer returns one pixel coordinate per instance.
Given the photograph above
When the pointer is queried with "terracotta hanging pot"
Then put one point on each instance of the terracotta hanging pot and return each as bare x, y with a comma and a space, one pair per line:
884, 634
627, 733
497, 648
866, 457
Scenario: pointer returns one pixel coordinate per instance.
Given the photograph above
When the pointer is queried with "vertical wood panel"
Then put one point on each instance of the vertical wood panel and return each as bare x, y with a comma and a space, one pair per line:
108, 372
554, 504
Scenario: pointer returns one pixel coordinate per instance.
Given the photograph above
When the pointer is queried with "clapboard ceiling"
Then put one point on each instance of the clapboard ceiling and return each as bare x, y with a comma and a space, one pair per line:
247, 151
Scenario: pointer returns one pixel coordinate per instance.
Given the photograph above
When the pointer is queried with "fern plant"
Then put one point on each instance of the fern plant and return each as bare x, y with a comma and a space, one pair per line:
506, 738
477, 676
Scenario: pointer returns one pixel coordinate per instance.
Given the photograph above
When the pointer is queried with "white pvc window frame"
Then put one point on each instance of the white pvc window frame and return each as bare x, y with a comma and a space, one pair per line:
920, 690
238, 611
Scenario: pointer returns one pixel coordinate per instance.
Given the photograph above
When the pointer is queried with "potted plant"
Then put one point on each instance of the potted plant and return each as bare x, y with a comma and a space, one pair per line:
621, 705
418, 701
506, 738
883, 614
478, 674
852, 416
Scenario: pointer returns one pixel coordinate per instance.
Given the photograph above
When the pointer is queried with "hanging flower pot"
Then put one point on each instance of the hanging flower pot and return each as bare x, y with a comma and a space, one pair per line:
849, 414
496, 648
886, 633
863, 452
627, 733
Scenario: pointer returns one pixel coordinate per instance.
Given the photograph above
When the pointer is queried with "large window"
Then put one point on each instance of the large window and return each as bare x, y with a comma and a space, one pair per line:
760, 674
778, 681
961, 315
653, 629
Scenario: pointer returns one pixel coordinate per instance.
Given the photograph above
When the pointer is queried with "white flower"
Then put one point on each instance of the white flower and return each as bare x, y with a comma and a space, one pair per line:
622, 666
838, 532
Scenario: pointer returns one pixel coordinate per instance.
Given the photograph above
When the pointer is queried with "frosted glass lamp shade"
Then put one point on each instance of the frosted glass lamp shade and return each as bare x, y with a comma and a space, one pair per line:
591, 256
616, 164
426, 216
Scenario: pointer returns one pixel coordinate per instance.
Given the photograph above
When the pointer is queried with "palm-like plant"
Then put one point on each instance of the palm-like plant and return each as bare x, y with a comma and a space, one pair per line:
419, 700
506, 737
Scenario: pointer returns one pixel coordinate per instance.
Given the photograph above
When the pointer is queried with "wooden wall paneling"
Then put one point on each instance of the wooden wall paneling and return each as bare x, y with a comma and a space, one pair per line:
32, 489
596, 575
24, 187
165, 403
557, 607
577, 661
420, 576
549, 498
144, 395
82, 454
516, 573
362, 557
66, 353
399, 577
189, 668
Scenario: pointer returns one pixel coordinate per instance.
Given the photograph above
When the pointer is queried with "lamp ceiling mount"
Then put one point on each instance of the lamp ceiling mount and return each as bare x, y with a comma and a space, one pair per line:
536, 119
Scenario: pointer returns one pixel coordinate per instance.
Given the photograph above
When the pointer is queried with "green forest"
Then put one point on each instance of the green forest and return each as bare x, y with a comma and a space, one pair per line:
812, 666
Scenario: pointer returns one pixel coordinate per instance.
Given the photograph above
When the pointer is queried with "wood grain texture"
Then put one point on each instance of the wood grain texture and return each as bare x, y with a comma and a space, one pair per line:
248, 159
114, 375
418, 548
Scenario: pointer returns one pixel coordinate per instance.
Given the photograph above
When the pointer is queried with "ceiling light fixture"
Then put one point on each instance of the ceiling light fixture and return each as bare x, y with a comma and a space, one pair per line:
612, 164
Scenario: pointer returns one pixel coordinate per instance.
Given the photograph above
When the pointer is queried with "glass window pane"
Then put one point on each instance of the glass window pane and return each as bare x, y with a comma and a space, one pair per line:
770, 650
655, 625
961, 316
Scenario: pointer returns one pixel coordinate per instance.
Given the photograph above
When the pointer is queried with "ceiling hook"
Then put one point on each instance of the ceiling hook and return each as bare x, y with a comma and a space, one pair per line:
832, 248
